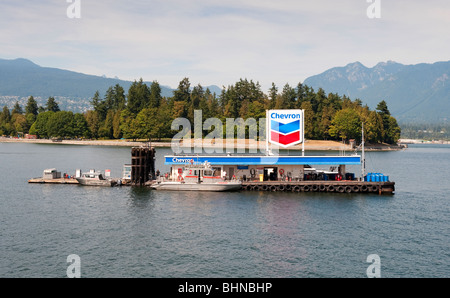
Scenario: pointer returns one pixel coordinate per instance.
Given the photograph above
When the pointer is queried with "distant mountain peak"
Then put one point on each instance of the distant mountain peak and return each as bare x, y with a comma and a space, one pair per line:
413, 92
356, 64
389, 62
19, 62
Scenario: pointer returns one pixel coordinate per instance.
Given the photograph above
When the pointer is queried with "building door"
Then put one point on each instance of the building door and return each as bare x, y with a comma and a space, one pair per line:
230, 173
270, 174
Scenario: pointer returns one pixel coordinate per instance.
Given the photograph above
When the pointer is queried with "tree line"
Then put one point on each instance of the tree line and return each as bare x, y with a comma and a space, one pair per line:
142, 113
426, 131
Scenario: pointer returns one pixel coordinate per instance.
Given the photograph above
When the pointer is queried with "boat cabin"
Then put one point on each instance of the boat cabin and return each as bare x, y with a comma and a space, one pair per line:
93, 175
51, 174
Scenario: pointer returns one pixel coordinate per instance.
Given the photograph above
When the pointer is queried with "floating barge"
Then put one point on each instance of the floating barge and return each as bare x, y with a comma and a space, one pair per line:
52, 176
276, 173
286, 173
54, 181
322, 186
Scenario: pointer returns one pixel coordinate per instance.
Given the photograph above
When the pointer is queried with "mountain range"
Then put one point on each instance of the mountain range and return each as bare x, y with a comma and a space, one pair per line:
21, 78
414, 93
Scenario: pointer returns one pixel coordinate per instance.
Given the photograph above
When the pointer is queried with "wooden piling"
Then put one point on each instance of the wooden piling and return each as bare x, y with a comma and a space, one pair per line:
142, 165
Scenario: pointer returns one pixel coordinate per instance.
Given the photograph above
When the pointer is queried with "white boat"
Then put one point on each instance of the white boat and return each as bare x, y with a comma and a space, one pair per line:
95, 179
196, 177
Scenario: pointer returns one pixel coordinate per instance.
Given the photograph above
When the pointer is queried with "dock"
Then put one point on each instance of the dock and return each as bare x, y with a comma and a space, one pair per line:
321, 186
54, 181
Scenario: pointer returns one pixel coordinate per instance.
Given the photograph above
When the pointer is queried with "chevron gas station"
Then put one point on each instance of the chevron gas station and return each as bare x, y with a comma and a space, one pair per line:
284, 128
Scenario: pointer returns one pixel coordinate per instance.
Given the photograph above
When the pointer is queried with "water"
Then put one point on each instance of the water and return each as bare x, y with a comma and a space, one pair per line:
137, 232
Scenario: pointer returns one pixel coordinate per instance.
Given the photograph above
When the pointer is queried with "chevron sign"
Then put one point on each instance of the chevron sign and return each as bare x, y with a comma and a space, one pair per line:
285, 127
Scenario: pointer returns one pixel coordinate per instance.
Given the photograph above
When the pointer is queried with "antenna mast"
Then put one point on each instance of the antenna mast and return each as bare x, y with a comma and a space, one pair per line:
363, 157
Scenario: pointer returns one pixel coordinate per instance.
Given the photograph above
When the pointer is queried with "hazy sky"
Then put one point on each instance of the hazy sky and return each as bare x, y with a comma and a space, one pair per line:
219, 42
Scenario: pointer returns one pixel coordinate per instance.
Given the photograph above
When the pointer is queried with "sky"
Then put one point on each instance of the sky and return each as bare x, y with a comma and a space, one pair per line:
216, 42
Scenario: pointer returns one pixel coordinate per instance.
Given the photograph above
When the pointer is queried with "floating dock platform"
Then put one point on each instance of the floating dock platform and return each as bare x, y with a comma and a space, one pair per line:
54, 181
321, 186
287, 173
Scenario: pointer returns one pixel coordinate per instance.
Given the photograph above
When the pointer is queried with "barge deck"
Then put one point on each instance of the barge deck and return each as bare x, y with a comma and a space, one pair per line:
54, 181
321, 186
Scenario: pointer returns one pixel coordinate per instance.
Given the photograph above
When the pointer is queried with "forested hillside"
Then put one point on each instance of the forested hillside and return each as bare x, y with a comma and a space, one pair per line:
142, 112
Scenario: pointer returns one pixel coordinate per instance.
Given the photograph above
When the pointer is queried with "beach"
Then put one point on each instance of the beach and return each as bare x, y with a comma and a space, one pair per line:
311, 145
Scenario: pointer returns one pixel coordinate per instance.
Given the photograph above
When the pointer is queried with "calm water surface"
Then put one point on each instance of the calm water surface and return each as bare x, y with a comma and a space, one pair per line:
137, 232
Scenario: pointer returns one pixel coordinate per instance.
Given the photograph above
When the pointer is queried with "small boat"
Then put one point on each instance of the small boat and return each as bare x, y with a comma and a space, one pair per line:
196, 177
95, 179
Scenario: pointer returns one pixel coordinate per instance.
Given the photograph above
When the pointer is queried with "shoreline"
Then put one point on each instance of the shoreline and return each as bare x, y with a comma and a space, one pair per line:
310, 145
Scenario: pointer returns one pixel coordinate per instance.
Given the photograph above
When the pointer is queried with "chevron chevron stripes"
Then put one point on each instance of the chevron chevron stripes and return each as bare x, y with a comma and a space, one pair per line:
285, 127
285, 139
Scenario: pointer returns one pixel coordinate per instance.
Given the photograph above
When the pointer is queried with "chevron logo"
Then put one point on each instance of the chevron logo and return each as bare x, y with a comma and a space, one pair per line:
285, 139
285, 127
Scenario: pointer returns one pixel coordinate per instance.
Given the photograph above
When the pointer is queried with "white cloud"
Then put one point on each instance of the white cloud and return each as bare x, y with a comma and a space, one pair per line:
218, 42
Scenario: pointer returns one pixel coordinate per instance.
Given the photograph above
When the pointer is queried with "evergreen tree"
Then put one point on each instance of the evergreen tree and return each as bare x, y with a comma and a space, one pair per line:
300, 94
373, 128
163, 127
5, 116
155, 95
182, 99
5, 122
96, 101
110, 100
393, 132
138, 97
383, 108
309, 119
287, 99
93, 122
391, 129
197, 96
117, 133
273, 93
213, 105
106, 129
52, 105
32, 106
119, 98
183, 93
17, 109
